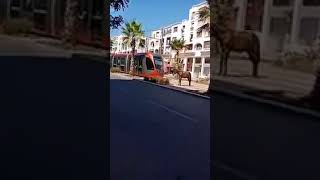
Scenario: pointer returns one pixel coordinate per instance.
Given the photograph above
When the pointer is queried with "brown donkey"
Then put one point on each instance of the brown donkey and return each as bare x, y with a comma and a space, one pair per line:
230, 40
182, 74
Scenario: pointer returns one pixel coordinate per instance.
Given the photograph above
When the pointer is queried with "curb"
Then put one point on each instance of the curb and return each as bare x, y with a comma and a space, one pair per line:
174, 89
285, 106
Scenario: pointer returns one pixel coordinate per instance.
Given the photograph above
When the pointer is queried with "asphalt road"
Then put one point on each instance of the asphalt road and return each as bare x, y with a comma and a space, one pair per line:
156, 133
258, 141
53, 119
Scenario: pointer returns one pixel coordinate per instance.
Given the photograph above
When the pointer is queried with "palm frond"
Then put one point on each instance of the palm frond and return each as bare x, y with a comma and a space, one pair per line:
133, 34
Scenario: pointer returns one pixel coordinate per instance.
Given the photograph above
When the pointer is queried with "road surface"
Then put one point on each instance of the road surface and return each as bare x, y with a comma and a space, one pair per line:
156, 133
53, 119
258, 141
159, 133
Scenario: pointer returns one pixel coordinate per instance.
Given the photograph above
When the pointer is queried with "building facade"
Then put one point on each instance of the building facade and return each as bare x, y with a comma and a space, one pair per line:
119, 46
196, 55
48, 17
280, 24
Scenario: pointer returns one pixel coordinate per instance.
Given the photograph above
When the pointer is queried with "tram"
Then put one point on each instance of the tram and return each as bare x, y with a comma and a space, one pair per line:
147, 65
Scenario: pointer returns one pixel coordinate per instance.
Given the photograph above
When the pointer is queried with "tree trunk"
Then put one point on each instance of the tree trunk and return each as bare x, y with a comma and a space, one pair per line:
132, 60
214, 55
70, 21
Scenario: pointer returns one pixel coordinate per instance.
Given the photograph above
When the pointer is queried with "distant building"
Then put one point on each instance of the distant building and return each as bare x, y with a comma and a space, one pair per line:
48, 17
119, 46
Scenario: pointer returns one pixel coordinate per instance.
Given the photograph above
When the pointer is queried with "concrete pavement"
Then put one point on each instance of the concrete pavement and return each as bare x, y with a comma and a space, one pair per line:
157, 133
290, 83
21, 46
44, 47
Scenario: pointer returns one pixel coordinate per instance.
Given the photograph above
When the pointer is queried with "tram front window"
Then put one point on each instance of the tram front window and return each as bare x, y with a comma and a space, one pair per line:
158, 63
149, 64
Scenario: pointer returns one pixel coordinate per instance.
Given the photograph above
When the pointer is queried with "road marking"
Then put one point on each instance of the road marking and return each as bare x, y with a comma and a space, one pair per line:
163, 107
173, 111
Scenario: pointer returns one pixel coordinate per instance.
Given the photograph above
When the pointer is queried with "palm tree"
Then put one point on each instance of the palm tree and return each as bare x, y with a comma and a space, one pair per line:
177, 45
204, 18
133, 37
221, 13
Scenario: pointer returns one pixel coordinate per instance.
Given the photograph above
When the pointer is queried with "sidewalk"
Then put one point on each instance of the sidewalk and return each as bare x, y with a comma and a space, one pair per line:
44, 47
196, 87
276, 80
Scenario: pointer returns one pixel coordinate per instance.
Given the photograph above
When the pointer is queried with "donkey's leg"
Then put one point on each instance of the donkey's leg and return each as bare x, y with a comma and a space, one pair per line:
225, 64
221, 63
180, 81
255, 63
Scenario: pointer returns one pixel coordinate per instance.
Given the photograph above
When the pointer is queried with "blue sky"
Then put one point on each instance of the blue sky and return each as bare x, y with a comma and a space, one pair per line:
154, 14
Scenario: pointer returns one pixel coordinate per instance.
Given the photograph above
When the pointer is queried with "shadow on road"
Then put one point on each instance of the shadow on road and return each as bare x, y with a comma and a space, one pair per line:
53, 119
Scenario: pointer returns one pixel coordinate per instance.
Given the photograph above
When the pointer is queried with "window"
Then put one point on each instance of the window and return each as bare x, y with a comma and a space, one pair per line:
254, 15
15, 3
27, 5
158, 62
41, 4
152, 44
198, 61
309, 29
207, 60
168, 40
279, 26
311, 2
191, 37
138, 60
193, 15
206, 44
175, 29
14, 14
199, 34
189, 47
198, 47
122, 61
174, 38
283, 2
149, 64
189, 64
206, 33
